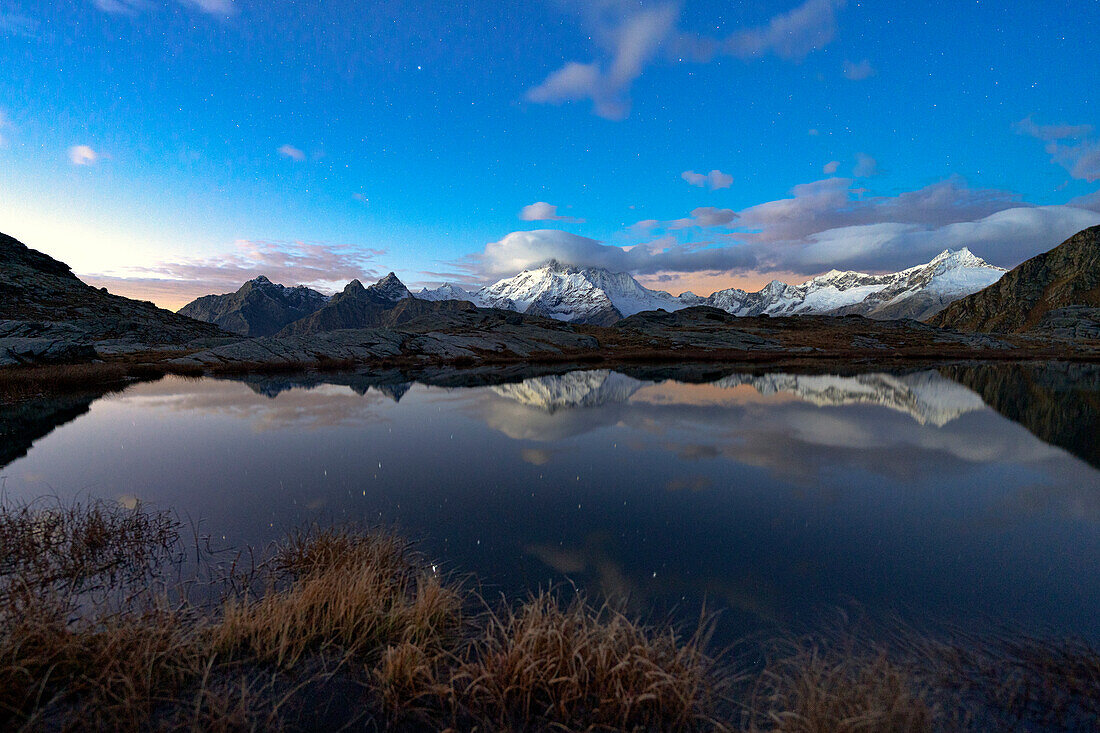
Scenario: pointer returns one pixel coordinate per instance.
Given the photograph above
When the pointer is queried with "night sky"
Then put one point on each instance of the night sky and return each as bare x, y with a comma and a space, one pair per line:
172, 148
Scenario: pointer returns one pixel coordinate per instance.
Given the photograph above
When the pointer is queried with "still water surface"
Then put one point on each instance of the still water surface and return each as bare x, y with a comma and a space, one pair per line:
776, 498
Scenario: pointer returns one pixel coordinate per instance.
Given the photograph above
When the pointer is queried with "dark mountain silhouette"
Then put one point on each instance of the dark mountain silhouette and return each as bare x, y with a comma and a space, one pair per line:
259, 308
48, 314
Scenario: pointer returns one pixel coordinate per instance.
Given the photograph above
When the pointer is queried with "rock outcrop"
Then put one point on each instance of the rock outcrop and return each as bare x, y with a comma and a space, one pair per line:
48, 315
1054, 292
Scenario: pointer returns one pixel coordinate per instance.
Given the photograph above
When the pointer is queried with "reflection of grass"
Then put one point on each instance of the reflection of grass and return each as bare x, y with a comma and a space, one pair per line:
28, 382
335, 627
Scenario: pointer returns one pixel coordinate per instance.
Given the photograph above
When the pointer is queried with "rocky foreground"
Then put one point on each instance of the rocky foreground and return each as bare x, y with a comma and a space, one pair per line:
465, 337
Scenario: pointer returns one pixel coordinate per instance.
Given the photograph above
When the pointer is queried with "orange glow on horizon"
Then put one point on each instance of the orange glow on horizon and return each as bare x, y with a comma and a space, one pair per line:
705, 284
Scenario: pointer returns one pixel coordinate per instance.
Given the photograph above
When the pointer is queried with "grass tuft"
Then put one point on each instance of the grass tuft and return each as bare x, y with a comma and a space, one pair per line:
548, 664
808, 688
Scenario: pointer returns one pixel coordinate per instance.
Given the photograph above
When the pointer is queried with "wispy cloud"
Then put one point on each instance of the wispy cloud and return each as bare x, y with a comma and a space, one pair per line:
705, 217
542, 211
213, 7
629, 38
793, 35
866, 166
1070, 146
17, 25
81, 155
632, 41
858, 71
175, 282
121, 6
129, 7
714, 180
291, 152
831, 167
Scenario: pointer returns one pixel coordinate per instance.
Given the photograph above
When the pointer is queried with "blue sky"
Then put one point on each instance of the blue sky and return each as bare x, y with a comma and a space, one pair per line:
168, 148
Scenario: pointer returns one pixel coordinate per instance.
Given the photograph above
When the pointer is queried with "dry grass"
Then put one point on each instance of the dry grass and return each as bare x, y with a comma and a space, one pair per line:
348, 592
53, 550
345, 627
549, 665
806, 688
27, 382
1008, 680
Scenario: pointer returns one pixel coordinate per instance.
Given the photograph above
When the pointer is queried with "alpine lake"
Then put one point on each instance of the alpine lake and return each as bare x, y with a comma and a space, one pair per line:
964, 495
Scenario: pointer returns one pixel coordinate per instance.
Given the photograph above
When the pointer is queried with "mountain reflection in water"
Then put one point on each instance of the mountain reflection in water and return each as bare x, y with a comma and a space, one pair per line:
774, 496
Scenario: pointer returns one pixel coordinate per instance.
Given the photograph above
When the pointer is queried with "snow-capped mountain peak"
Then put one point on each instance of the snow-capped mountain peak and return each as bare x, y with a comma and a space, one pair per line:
446, 291
596, 295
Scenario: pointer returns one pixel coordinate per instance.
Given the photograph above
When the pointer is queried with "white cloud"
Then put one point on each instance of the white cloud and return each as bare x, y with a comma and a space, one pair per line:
858, 71
824, 224
291, 152
361, 198
1004, 238
832, 203
633, 43
120, 6
831, 167
715, 179
520, 250
1070, 146
630, 37
866, 166
542, 211
705, 217
212, 7
83, 155
1088, 201
792, 35
1027, 126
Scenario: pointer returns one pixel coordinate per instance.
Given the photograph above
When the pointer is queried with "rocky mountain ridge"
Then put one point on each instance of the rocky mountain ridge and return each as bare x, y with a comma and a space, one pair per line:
47, 314
259, 308
1056, 292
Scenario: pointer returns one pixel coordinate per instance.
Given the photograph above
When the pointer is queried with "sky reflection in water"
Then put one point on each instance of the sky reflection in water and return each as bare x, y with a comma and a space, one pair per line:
776, 498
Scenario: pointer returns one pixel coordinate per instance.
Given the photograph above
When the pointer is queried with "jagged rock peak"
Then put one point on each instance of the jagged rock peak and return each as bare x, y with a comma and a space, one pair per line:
391, 288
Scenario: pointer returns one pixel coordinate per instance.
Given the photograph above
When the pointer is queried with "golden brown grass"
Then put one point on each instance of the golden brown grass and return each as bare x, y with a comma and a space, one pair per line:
548, 665
341, 626
347, 592
806, 688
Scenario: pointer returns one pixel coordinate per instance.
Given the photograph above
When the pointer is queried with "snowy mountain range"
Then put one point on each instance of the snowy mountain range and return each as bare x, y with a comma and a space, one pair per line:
598, 296
926, 397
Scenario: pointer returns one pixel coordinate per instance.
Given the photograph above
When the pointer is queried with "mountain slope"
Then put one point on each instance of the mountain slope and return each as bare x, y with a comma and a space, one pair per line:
1036, 293
48, 314
259, 308
598, 296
